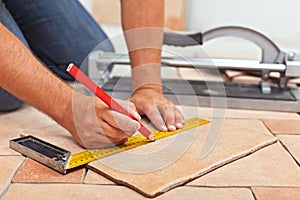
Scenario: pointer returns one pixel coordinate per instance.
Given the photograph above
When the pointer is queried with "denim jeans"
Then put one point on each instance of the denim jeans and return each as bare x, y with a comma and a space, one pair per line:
57, 32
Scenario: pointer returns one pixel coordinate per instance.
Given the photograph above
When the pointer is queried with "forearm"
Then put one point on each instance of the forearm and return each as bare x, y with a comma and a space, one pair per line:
142, 22
24, 76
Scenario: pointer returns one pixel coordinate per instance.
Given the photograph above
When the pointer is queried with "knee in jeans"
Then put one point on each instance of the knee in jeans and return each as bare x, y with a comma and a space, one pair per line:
9, 102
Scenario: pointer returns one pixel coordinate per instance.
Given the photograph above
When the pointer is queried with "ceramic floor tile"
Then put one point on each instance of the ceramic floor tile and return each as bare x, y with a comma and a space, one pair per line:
96, 179
12, 124
8, 167
296, 80
291, 142
211, 113
271, 166
283, 126
69, 192
56, 135
256, 114
34, 172
108, 192
25, 118
276, 193
202, 75
7, 134
160, 166
247, 79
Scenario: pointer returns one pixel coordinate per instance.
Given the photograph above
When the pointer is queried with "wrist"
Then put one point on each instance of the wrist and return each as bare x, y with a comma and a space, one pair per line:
156, 87
146, 76
66, 116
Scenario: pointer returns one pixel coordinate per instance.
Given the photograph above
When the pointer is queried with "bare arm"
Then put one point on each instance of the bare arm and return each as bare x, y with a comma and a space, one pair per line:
24, 76
143, 22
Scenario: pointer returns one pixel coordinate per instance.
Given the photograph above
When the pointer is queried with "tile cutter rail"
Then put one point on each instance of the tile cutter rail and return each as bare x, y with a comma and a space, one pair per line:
279, 96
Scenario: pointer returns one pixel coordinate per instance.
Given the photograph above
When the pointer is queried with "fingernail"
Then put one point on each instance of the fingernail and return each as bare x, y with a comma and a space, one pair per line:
172, 127
138, 126
137, 116
179, 125
164, 128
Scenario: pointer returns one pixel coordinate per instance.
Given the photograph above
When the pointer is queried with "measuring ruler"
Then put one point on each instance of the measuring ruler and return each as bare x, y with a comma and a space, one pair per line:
61, 160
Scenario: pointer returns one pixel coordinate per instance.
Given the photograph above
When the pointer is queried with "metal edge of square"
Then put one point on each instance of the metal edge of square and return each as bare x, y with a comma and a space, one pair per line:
60, 165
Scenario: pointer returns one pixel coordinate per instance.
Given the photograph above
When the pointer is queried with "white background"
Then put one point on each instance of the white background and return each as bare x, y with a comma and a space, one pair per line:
279, 19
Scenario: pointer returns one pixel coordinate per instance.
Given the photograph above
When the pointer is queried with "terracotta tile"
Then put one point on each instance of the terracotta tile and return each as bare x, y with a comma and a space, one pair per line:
12, 124
7, 134
96, 179
296, 80
256, 114
247, 79
199, 75
174, 164
271, 166
69, 192
25, 118
232, 73
8, 167
291, 142
211, 113
34, 172
262, 193
283, 126
108, 192
56, 135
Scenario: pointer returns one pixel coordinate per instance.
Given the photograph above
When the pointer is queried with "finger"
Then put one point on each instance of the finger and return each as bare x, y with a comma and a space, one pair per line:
112, 132
168, 114
179, 120
122, 122
132, 110
130, 107
156, 118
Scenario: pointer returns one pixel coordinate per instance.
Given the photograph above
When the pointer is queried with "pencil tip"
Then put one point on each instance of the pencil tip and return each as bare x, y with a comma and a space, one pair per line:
151, 138
69, 67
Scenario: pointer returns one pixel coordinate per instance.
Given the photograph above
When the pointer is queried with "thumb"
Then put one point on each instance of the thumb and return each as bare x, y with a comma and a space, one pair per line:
130, 107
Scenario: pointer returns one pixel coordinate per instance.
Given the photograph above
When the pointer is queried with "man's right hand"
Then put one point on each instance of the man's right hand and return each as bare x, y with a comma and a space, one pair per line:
98, 126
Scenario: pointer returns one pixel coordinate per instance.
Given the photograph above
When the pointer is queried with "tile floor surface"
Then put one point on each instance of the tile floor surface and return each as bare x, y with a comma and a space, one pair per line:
270, 172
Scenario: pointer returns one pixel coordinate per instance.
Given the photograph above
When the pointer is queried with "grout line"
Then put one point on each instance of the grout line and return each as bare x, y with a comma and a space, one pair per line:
248, 187
288, 151
5, 189
253, 194
207, 186
18, 168
226, 187
294, 134
85, 174
262, 120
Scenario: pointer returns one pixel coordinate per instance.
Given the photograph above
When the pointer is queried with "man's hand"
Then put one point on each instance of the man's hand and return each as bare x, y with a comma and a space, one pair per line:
150, 101
98, 126
143, 22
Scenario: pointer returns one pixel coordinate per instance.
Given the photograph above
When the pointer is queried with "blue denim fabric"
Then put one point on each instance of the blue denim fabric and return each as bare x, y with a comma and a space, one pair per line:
9, 102
57, 31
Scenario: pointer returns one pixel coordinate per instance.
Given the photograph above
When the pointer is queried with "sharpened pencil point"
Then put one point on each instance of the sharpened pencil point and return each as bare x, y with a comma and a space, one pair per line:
151, 138
70, 66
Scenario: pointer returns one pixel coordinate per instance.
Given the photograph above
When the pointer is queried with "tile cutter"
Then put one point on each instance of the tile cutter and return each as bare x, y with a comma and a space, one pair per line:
267, 95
